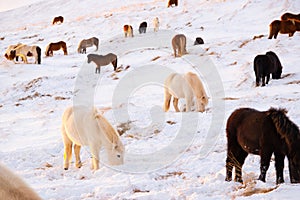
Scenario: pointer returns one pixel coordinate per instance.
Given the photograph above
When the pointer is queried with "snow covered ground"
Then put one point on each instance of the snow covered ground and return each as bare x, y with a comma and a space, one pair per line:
169, 155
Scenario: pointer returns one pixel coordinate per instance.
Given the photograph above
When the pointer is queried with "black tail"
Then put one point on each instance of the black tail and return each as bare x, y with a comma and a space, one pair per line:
284, 126
39, 52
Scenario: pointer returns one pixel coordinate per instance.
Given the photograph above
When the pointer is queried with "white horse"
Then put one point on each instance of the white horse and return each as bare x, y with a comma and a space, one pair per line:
13, 187
25, 51
156, 24
83, 126
185, 86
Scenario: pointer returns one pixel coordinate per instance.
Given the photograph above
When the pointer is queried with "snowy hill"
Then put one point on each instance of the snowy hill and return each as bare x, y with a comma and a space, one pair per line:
193, 167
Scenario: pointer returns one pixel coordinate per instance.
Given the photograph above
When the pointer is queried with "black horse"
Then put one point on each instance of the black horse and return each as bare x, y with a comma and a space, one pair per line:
143, 27
267, 64
262, 133
198, 41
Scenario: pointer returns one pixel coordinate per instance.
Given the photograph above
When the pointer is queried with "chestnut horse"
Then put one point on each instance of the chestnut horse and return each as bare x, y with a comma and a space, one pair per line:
262, 133
291, 17
283, 27
55, 47
128, 30
57, 20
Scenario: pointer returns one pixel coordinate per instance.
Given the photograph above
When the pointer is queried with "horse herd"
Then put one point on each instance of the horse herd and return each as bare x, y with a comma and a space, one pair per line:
248, 130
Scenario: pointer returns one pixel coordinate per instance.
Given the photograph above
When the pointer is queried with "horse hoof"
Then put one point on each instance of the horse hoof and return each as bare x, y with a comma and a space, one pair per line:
65, 168
228, 179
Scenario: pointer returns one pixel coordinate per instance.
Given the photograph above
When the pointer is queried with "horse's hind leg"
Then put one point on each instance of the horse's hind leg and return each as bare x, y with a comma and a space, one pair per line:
265, 159
239, 164
263, 81
279, 165
268, 79
175, 104
78, 163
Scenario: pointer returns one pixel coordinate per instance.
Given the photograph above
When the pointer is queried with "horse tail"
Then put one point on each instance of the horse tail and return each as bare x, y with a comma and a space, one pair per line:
38, 51
115, 64
284, 126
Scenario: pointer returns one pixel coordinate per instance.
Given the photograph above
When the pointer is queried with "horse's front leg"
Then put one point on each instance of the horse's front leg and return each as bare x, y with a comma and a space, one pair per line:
263, 81
279, 165
189, 102
95, 157
268, 79
229, 166
265, 159
78, 163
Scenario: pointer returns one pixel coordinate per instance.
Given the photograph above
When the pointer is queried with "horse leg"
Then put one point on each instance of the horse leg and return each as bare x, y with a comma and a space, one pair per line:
279, 165
240, 159
95, 157
67, 148
268, 78
78, 163
175, 104
167, 99
189, 102
229, 165
257, 80
263, 81
265, 159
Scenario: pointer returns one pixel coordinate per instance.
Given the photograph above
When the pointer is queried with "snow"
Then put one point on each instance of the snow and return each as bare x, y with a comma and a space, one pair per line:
168, 155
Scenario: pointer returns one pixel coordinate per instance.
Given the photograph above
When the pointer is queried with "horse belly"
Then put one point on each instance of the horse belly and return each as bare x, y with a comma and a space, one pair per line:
249, 143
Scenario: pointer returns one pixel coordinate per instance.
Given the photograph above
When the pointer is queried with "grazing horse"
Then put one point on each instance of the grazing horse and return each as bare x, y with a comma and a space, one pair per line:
179, 45
143, 27
172, 2
83, 126
283, 27
102, 60
55, 47
291, 17
87, 43
264, 65
57, 20
156, 24
262, 133
25, 51
128, 30
198, 40
13, 187
8, 50
185, 86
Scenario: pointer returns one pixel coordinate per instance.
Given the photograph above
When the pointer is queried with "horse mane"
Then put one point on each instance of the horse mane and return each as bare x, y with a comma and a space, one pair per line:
284, 126
109, 131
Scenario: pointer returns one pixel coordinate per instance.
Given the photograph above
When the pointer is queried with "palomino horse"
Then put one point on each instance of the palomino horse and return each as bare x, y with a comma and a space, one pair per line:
55, 47
102, 60
184, 86
58, 19
262, 133
13, 187
128, 30
83, 126
87, 43
25, 51
179, 44
156, 24
283, 27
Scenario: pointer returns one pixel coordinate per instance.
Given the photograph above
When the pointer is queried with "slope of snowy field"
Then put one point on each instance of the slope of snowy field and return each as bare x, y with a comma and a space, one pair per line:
168, 155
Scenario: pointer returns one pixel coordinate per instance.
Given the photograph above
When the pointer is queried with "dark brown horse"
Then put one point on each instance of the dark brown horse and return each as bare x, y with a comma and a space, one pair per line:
283, 27
291, 17
58, 19
172, 2
55, 47
262, 133
264, 65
